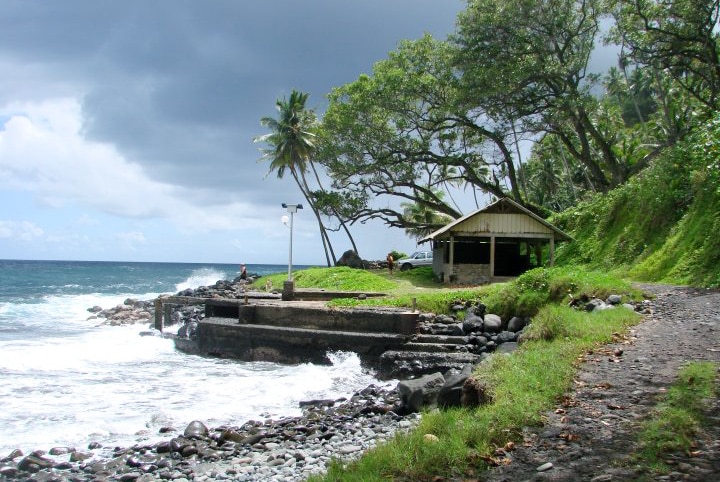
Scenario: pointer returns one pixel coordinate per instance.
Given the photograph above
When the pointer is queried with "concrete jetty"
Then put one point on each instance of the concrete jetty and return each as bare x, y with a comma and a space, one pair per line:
265, 328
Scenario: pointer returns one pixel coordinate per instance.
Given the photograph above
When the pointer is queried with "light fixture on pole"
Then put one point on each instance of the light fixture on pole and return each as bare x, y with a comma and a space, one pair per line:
291, 209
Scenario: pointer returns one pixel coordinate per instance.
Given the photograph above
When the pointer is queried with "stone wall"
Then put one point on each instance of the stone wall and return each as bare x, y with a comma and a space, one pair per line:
468, 273
296, 315
227, 338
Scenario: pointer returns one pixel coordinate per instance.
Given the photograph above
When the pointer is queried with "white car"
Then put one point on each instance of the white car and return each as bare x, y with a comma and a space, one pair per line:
419, 258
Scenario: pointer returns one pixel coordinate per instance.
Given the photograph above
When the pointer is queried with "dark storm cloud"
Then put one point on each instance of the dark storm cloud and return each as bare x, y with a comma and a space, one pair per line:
180, 86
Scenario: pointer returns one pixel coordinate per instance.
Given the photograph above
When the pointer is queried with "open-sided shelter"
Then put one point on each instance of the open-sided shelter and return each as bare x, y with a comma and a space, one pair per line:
500, 241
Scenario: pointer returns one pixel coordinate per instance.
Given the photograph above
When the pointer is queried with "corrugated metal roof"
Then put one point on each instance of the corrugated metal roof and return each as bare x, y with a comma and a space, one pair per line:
500, 204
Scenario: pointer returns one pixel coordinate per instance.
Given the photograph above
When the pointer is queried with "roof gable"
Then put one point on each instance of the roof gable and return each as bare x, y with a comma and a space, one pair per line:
504, 216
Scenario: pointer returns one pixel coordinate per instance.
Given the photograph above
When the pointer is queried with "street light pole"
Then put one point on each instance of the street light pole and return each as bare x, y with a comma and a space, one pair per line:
289, 285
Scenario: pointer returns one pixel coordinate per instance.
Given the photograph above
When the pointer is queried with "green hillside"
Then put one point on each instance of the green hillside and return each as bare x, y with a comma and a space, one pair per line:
663, 225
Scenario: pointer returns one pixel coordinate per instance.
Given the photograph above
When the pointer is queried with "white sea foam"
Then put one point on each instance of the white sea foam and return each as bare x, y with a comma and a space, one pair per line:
76, 382
68, 381
201, 277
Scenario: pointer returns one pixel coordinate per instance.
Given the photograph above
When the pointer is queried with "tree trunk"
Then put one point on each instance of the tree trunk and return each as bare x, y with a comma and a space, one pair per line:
337, 215
323, 234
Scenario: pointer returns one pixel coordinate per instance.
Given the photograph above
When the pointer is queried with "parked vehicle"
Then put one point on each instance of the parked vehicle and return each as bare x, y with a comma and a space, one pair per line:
418, 258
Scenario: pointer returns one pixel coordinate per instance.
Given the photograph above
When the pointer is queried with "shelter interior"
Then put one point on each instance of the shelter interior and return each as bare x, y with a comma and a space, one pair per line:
500, 241
513, 256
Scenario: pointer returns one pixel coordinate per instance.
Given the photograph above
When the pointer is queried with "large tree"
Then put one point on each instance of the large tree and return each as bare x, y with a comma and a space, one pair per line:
527, 61
677, 37
402, 136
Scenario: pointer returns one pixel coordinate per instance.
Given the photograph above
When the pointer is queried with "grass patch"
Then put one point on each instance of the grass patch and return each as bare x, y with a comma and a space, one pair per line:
521, 297
523, 386
676, 421
337, 278
538, 287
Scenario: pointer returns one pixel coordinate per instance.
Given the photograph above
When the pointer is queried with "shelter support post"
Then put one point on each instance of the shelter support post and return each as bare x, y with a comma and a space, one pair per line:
492, 256
552, 251
452, 258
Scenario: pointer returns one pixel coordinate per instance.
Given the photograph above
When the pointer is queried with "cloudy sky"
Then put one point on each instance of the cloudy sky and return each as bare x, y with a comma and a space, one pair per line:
126, 127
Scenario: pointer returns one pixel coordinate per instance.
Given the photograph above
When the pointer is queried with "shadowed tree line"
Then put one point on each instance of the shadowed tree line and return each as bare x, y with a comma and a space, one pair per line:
505, 106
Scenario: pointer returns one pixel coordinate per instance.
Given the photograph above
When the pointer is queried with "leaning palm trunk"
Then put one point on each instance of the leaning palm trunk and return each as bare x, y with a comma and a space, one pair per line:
291, 146
337, 215
327, 246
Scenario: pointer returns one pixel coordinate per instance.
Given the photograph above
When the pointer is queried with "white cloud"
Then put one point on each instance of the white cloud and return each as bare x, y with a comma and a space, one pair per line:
131, 238
42, 152
20, 230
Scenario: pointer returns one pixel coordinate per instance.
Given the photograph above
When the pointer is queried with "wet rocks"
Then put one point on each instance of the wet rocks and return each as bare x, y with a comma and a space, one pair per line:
130, 312
422, 392
290, 448
444, 343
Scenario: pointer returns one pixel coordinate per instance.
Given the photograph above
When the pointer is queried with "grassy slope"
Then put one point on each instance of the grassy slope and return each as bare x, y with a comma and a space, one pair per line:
662, 225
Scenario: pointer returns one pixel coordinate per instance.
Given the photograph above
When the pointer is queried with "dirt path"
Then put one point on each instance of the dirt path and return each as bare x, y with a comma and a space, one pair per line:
589, 437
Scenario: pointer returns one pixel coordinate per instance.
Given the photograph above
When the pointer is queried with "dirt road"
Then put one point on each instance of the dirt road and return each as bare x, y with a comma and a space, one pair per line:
591, 435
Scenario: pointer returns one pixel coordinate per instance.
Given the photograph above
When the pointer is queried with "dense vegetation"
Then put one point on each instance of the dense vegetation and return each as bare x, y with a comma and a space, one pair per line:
660, 226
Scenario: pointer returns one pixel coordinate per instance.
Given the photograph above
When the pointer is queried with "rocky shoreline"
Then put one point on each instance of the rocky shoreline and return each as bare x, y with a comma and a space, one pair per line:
290, 448
287, 449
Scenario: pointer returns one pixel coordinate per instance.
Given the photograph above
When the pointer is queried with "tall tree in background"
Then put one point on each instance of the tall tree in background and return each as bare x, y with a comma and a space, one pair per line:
421, 220
678, 38
527, 61
292, 142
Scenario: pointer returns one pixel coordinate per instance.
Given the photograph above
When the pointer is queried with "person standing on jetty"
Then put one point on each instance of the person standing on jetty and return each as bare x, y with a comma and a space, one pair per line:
243, 272
390, 262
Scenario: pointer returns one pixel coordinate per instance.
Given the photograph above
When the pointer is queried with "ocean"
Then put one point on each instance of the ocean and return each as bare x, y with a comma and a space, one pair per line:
65, 381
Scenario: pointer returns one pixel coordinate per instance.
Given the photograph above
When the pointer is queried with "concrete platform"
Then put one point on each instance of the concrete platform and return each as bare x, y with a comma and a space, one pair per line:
292, 332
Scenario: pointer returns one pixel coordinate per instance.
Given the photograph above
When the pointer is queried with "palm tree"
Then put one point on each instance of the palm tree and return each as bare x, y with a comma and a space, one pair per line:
291, 144
422, 219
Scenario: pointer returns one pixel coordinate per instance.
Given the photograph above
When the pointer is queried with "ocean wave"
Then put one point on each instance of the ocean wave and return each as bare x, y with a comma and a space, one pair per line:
201, 277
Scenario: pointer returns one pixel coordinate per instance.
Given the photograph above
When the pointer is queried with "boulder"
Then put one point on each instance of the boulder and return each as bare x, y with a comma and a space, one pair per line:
614, 300
516, 324
34, 463
196, 429
351, 259
508, 347
421, 392
451, 392
472, 324
455, 329
505, 336
596, 304
12, 455
493, 323
61, 450
8, 472
478, 309
444, 319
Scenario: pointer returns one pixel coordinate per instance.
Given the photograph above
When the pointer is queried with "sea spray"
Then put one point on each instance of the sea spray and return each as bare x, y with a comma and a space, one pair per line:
68, 381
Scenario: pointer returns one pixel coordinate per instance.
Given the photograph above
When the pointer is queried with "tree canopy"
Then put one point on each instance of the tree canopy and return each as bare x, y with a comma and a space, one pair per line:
506, 106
